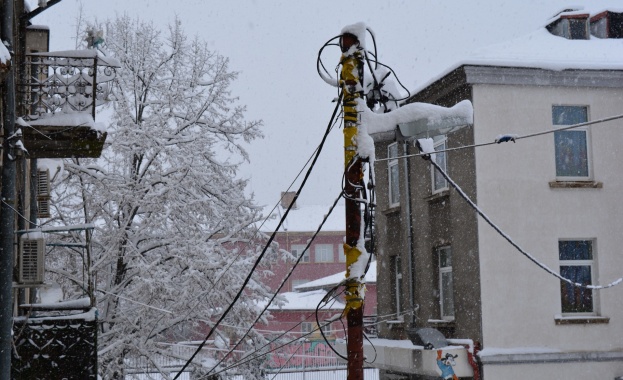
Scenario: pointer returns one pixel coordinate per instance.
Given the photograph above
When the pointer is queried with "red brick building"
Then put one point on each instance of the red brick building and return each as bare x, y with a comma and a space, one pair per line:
325, 255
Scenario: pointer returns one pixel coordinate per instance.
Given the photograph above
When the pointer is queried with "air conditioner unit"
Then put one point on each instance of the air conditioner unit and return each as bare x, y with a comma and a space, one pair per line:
43, 193
31, 260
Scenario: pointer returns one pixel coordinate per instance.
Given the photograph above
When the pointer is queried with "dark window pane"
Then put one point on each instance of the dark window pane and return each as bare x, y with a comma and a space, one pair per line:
577, 29
571, 154
575, 299
616, 25
445, 258
575, 250
393, 180
569, 115
439, 182
447, 295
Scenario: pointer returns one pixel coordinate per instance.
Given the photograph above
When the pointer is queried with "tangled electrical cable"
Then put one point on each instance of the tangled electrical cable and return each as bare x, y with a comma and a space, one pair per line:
374, 92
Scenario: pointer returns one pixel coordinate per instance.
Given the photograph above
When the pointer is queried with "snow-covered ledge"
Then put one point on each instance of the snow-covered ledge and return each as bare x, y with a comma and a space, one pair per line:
405, 357
538, 355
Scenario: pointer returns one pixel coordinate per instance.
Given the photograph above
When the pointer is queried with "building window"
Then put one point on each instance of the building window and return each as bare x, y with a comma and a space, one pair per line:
578, 29
571, 146
326, 328
392, 169
298, 250
398, 284
577, 265
446, 289
307, 327
439, 182
340, 253
324, 253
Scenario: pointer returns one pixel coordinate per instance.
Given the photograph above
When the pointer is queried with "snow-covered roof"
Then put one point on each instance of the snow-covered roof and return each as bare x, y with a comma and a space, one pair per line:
306, 219
304, 301
543, 50
335, 279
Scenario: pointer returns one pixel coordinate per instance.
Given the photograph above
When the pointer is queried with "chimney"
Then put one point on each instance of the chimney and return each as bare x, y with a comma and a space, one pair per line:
287, 198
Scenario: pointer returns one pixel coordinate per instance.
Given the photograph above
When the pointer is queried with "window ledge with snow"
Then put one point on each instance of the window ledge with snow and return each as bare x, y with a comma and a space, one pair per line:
576, 185
580, 320
441, 323
440, 196
393, 322
392, 210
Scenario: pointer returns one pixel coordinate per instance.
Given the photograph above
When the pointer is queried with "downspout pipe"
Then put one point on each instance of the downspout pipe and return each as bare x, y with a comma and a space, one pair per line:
409, 224
7, 219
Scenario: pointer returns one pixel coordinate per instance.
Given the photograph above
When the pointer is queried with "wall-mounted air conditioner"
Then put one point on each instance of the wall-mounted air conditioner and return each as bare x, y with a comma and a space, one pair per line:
31, 259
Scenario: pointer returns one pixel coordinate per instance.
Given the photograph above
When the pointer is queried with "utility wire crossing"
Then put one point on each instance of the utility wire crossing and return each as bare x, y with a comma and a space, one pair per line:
512, 242
508, 137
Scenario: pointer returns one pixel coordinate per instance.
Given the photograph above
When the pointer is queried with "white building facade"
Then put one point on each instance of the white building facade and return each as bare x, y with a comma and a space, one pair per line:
555, 192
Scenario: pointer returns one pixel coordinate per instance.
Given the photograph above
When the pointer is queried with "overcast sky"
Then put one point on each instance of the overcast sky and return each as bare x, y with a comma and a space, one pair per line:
274, 44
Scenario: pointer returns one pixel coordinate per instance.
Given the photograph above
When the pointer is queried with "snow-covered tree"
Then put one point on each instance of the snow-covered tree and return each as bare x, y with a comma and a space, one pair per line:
170, 214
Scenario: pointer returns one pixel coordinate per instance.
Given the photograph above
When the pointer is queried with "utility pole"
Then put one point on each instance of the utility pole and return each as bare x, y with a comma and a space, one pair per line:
351, 79
7, 220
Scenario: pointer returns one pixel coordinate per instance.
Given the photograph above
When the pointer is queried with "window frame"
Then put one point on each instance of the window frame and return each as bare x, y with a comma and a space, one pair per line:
393, 192
294, 250
341, 255
438, 142
322, 256
441, 272
592, 265
307, 328
325, 328
587, 137
398, 284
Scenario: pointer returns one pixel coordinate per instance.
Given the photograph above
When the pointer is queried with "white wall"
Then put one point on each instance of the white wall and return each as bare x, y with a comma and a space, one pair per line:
604, 371
519, 299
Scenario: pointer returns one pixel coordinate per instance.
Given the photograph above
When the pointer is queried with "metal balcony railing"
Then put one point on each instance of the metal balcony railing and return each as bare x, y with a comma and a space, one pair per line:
65, 81
57, 96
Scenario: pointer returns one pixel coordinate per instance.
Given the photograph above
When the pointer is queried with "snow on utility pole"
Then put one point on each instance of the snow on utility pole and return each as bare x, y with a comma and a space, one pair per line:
351, 79
7, 220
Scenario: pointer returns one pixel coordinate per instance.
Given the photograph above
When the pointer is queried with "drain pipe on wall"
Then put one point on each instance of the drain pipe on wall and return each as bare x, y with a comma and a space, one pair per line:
409, 225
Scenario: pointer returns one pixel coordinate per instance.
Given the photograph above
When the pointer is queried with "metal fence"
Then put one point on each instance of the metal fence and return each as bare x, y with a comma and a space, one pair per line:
305, 360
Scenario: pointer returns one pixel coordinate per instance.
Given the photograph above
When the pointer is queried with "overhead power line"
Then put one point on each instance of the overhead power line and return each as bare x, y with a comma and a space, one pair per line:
268, 243
250, 357
512, 242
283, 282
510, 137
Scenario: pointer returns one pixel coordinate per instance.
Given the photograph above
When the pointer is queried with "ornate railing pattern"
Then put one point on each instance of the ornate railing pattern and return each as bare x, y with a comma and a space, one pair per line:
68, 81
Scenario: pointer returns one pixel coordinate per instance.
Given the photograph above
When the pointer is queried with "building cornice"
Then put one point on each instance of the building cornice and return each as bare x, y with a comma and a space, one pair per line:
471, 74
552, 357
540, 77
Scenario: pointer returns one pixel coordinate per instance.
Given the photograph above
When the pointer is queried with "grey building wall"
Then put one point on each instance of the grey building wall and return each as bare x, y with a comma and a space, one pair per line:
437, 220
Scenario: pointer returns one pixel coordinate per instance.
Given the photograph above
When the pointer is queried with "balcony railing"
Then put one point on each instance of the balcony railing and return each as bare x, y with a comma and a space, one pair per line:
58, 93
